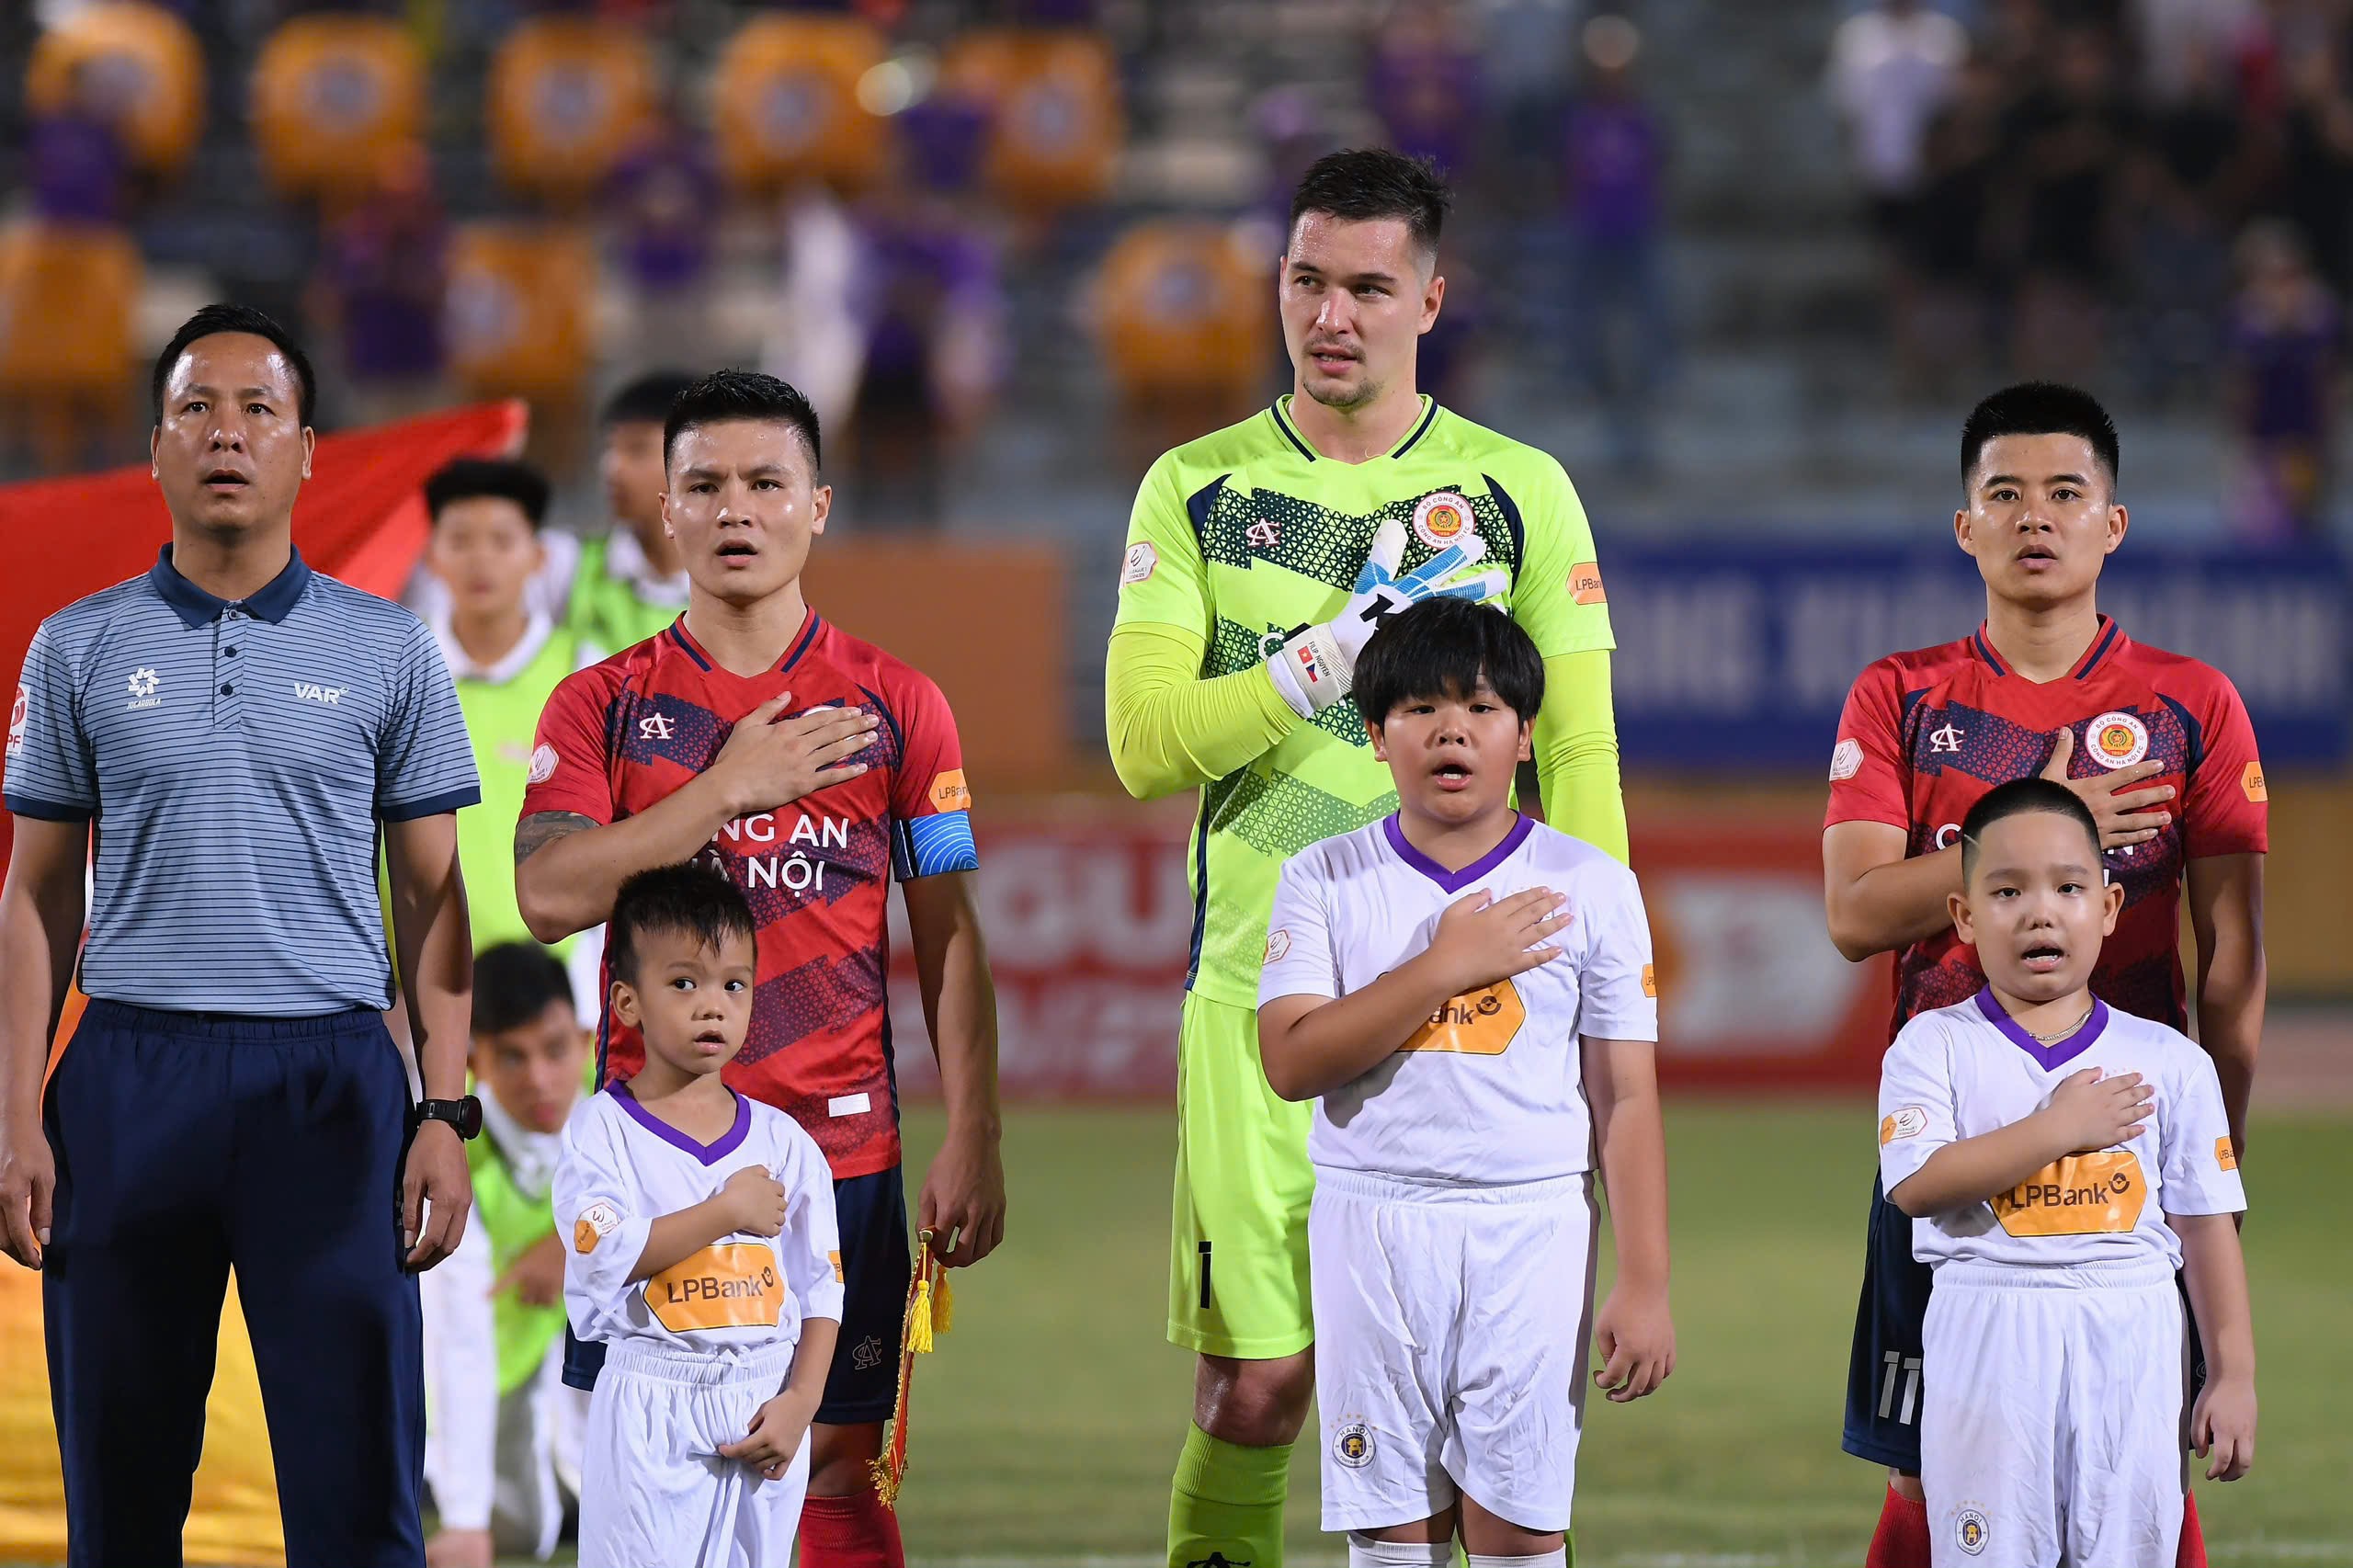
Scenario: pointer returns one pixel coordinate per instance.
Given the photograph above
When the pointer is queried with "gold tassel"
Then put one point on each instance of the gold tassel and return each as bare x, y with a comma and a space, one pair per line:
919, 1320
943, 1305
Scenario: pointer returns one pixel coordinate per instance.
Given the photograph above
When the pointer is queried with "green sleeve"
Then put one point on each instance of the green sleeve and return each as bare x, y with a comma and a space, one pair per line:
1162, 576
1556, 595
1169, 729
1577, 752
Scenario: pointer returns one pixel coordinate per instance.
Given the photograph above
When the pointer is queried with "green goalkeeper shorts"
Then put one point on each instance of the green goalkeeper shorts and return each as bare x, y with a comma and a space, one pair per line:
1238, 1266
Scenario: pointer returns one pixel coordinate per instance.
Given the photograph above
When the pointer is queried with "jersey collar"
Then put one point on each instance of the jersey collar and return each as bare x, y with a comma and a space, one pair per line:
272, 602
709, 1153
536, 632
1281, 415
810, 626
2050, 1057
1454, 881
2107, 641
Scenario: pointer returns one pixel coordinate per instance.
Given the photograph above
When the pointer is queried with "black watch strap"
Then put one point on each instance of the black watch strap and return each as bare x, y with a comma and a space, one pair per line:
463, 1115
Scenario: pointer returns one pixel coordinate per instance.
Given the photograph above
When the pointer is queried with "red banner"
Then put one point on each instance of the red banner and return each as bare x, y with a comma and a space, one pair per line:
361, 518
1089, 926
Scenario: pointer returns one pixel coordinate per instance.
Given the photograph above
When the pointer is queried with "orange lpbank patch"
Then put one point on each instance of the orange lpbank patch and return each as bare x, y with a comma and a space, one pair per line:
1477, 1023
2079, 1195
731, 1285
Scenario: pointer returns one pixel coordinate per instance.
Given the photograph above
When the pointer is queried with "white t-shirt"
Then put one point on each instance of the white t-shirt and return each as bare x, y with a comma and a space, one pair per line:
623, 1168
1492, 1089
1967, 1070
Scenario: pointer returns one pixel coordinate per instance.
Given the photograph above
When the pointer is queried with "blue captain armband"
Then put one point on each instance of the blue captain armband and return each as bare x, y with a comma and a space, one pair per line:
925, 847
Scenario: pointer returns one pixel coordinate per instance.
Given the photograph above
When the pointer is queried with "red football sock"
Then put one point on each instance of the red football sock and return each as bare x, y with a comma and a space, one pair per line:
2192, 1552
1902, 1538
856, 1531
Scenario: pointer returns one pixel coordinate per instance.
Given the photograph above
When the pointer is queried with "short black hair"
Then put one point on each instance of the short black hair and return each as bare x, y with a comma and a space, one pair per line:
1441, 648
213, 320
693, 899
725, 396
1363, 183
646, 399
513, 984
2040, 408
464, 479
2017, 798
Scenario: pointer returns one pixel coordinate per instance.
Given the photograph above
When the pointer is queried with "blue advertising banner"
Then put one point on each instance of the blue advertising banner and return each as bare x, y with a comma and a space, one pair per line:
1740, 651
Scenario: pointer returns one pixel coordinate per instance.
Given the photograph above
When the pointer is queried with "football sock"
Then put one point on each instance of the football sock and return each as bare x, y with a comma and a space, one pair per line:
856, 1531
2192, 1552
1226, 1506
1557, 1558
1366, 1552
1902, 1538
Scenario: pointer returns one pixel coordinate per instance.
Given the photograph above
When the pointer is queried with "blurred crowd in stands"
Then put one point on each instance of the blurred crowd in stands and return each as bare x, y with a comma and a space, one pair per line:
2156, 191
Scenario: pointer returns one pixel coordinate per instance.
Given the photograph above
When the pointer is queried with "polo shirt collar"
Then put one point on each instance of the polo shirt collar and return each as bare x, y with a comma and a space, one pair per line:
273, 602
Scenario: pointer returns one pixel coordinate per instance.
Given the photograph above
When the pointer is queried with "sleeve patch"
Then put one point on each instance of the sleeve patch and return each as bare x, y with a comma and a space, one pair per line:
17, 716
1650, 980
1846, 759
1141, 563
544, 763
835, 1259
940, 843
2250, 780
950, 794
2224, 1156
1909, 1122
1277, 944
596, 1222
1585, 584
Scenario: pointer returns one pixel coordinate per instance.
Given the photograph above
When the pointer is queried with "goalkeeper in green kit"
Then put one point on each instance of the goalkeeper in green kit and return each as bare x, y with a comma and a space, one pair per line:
1259, 560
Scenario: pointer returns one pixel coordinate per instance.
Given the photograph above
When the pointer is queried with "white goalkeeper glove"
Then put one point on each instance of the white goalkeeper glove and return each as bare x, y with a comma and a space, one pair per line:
1314, 666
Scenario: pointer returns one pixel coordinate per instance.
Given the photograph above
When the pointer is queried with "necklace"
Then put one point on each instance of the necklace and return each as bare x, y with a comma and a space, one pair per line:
2055, 1036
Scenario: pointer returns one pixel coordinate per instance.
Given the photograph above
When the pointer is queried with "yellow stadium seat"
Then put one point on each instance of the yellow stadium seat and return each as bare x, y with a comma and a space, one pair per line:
1184, 312
141, 60
333, 98
786, 103
67, 294
1056, 118
520, 309
568, 98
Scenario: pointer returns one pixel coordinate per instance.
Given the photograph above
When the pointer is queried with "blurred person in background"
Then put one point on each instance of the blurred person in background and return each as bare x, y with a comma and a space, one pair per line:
502, 1433
78, 168
1427, 83
2068, 149
662, 200
1614, 166
2286, 359
2194, 170
2314, 179
1941, 321
379, 289
632, 582
1527, 52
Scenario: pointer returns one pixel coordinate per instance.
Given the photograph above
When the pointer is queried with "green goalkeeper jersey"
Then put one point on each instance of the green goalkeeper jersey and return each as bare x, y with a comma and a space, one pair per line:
1246, 531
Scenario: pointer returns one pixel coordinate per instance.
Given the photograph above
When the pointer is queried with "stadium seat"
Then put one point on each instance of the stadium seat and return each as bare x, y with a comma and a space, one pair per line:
568, 96
785, 103
520, 309
333, 97
1057, 122
67, 295
141, 60
1184, 313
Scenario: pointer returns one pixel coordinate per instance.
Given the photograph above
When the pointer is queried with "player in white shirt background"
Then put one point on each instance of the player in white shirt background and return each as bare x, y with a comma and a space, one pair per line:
2060, 1161
1468, 994
703, 1253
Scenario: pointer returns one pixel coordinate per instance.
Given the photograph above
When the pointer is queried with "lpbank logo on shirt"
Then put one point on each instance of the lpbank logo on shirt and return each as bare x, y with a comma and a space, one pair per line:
312, 691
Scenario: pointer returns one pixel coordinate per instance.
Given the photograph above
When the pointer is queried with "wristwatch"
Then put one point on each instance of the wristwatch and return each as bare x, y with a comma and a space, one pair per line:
463, 1115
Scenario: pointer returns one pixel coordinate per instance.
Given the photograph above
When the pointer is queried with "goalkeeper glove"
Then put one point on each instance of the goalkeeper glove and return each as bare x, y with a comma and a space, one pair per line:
1314, 666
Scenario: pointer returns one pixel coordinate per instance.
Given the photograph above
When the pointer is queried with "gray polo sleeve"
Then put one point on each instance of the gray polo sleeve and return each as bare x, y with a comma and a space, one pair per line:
51, 773
425, 761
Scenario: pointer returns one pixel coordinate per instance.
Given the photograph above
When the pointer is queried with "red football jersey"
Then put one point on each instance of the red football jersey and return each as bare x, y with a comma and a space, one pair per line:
1926, 734
620, 735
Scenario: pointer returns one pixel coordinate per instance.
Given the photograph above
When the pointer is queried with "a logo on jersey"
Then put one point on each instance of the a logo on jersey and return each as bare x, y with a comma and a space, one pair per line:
543, 765
1585, 584
1947, 739
1217, 1560
2250, 780
1650, 980
2117, 739
1845, 760
596, 1222
2081, 1195
1441, 519
312, 691
142, 685
1477, 1023
949, 792
2224, 1156
656, 727
1142, 561
1909, 1122
731, 1285
1353, 1444
835, 1259
1970, 1530
17, 715
1264, 534
867, 1353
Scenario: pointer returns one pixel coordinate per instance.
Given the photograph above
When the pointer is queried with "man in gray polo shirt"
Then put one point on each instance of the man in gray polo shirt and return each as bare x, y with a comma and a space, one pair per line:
233, 728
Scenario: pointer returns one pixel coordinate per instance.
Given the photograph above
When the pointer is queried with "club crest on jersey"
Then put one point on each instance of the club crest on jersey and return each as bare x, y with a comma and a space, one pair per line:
1947, 739
1264, 534
1441, 519
2117, 739
1970, 1530
1353, 1444
656, 727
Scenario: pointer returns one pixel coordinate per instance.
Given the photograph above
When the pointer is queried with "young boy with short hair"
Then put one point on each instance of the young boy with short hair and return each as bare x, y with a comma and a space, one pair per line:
2060, 1160
502, 1444
702, 1252
1468, 994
